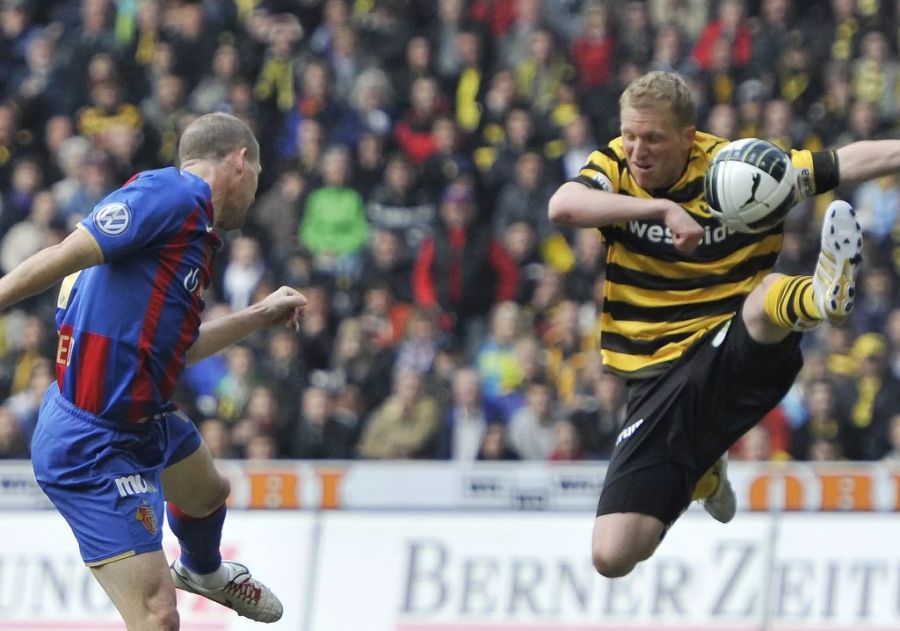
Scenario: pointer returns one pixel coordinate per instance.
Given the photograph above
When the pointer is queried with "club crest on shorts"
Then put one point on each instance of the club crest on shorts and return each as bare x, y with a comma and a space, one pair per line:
113, 219
147, 516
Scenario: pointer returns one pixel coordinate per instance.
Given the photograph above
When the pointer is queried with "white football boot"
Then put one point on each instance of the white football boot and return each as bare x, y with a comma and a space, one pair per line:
247, 596
834, 281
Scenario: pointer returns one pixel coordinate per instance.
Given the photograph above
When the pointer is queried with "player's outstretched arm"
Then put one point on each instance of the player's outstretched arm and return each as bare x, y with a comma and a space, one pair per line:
282, 306
578, 206
867, 159
41, 271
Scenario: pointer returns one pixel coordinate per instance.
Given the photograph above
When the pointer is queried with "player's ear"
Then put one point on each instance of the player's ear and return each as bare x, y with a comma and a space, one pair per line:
240, 160
689, 133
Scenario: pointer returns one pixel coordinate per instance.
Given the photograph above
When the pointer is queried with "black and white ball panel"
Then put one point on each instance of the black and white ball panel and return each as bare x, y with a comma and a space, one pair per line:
750, 185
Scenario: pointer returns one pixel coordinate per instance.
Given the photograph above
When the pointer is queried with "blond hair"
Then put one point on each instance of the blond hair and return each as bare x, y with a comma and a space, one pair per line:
660, 89
214, 136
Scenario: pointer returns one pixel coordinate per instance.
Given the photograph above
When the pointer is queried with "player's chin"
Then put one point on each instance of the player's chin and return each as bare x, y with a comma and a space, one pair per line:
645, 177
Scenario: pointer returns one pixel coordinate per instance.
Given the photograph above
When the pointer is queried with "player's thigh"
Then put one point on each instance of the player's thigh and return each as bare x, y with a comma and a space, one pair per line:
735, 381
194, 484
635, 507
141, 588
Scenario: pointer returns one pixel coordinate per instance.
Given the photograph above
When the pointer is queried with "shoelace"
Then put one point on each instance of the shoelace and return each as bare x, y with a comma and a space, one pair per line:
247, 591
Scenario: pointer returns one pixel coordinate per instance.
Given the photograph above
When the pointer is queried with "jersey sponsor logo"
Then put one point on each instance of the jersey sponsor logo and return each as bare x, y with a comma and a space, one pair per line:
113, 219
629, 431
192, 280
655, 233
133, 485
64, 350
147, 516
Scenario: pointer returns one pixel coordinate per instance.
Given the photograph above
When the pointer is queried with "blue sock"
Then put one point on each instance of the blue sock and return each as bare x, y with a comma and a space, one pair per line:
200, 538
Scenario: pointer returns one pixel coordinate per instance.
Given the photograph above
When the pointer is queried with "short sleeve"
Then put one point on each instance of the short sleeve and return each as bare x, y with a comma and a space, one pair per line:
134, 218
601, 172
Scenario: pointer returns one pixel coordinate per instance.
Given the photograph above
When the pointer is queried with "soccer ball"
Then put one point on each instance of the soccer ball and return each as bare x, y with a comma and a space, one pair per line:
750, 185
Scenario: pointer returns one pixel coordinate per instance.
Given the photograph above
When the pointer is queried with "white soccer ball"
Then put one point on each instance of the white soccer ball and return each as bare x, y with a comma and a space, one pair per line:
750, 185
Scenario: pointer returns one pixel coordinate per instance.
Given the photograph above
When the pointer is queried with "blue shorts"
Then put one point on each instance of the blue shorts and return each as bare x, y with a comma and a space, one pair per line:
104, 477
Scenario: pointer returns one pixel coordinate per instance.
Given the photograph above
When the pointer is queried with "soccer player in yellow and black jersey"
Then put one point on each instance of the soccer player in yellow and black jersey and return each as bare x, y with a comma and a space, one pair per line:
705, 335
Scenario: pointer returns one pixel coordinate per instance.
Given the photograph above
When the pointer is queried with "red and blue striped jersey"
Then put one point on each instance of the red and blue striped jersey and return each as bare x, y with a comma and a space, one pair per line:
125, 326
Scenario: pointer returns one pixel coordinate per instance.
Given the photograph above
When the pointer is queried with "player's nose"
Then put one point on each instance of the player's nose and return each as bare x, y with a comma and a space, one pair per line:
640, 149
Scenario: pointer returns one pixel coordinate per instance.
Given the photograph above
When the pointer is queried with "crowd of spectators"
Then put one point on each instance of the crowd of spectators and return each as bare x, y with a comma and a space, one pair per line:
409, 148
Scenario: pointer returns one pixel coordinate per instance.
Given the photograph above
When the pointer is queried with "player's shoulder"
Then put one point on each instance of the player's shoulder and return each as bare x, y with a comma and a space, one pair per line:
611, 153
615, 146
163, 188
168, 180
707, 144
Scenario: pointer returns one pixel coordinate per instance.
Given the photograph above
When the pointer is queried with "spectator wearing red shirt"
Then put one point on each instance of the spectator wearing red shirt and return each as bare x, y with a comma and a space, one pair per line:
731, 25
592, 50
413, 131
462, 269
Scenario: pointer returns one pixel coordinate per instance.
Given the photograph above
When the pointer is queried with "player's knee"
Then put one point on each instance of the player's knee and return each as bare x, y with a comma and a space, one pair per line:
224, 491
617, 549
757, 296
167, 621
209, 500
160, 610
217, 497
164, 620
768, 279
610, 562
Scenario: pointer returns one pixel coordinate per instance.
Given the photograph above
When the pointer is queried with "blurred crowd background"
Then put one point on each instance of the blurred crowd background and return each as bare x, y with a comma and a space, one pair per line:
409, 148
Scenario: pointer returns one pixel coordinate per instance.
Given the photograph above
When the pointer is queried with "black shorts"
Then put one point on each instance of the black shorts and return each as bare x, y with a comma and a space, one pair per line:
679, 423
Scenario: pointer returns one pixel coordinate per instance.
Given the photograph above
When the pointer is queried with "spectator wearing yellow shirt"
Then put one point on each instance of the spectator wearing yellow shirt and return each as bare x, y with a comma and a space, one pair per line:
107, 110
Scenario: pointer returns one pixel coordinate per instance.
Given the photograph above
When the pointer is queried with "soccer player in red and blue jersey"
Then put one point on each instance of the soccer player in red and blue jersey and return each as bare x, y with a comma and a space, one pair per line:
110, 447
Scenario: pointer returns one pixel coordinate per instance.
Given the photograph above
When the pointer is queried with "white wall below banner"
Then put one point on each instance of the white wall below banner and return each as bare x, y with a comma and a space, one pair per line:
44, 586
496, 571
532, 572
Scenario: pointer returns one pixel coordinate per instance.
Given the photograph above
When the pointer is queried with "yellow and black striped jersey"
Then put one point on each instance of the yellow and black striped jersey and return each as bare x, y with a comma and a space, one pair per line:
657, 300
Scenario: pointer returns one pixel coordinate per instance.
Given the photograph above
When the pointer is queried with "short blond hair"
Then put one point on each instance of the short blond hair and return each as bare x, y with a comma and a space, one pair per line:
214, 136
661, 89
